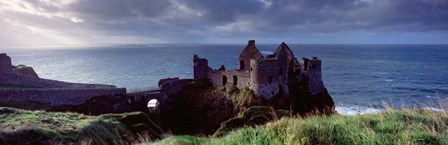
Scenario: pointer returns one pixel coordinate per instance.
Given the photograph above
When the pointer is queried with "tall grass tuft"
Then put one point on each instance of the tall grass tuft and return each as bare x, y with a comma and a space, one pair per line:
392, 126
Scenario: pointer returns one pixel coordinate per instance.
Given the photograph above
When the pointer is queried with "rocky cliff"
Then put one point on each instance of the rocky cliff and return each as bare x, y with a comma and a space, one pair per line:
200, 108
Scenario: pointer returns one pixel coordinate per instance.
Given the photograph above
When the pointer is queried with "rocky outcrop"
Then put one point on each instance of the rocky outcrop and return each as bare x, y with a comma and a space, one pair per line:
203, 108
251, 116
24, 70
5, 63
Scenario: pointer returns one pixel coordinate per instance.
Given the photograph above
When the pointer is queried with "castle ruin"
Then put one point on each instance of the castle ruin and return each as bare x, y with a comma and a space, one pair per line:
265, 75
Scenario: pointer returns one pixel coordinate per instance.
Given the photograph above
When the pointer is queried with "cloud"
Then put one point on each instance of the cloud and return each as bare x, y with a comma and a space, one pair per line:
155, 21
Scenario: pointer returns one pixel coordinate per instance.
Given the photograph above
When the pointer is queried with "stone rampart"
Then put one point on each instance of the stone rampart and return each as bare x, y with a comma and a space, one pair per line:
58, 96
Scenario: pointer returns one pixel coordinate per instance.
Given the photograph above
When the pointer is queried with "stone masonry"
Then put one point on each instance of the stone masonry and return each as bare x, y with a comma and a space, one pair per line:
265, 75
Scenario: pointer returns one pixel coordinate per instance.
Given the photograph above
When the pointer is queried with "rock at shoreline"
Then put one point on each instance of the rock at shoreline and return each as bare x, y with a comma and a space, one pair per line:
25, 70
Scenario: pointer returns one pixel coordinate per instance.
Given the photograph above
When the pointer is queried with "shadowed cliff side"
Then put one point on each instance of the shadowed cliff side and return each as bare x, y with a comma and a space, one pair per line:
199, 108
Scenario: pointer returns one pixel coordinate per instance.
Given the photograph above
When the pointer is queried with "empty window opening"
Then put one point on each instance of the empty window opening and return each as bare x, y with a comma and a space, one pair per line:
224, 80
241, 64
235, 80
270, 79
280, 72
153, 103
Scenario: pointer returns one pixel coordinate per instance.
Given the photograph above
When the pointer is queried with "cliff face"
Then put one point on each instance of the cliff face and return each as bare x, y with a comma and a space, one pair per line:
200, 109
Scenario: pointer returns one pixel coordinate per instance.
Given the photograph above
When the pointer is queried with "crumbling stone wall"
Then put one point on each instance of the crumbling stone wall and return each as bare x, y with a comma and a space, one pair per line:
314, 73
284, 56
201, 68
250, 52
264, 77
239, 79
5, 63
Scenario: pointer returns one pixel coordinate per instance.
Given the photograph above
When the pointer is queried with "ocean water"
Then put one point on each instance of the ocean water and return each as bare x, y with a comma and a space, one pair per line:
360, 78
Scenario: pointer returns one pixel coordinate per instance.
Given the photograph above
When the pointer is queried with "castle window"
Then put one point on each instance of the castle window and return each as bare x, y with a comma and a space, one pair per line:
224, 80
235, 80
313, 66
241, 64
270, 79
280, 72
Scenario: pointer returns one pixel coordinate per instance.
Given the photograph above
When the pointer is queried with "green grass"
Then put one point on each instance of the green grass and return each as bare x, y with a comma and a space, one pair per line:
239, 97
39, 127
405, 127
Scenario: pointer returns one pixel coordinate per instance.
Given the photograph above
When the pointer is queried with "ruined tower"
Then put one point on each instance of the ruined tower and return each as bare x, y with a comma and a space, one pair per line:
250, 52
315, 83
5, 63
200, 68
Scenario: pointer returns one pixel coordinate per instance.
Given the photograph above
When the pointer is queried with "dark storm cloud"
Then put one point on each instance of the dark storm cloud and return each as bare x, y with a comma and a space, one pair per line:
225, 11
211, 20
329, 15
274, 15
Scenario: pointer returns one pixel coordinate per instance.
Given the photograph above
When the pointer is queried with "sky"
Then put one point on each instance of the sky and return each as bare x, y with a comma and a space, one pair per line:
90, 22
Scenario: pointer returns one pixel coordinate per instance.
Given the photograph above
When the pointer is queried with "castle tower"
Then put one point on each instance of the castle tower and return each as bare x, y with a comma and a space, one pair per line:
200, 68
5, 63
314, 72
250, 52
263, 80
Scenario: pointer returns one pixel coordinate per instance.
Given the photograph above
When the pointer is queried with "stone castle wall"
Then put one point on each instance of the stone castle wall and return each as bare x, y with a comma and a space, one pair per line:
264, 78
5, 63
228, 78
58, 96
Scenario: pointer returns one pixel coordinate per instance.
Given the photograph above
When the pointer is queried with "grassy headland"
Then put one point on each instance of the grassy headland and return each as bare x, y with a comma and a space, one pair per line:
407, 126
39, 127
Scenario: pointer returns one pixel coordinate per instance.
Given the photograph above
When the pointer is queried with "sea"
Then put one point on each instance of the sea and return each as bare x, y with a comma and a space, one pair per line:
360, 78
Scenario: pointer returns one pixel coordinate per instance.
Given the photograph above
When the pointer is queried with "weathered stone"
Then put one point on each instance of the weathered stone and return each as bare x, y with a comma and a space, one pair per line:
5, 63
25, 70
263, 75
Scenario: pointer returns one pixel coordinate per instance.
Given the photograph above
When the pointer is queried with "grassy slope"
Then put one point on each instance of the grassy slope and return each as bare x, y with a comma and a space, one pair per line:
39, 127
389, 127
